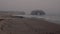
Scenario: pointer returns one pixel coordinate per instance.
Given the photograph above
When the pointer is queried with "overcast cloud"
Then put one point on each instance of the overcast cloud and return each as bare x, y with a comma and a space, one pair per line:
49, 6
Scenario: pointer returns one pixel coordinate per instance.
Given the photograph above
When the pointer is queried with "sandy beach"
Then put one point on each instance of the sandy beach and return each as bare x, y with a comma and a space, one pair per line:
28, 26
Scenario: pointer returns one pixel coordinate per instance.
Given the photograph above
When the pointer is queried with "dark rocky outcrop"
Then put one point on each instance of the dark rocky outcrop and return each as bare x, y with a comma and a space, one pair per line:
37, 12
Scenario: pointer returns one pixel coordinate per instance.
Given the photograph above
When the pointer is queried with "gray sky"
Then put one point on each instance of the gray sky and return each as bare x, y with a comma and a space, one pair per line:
49, 6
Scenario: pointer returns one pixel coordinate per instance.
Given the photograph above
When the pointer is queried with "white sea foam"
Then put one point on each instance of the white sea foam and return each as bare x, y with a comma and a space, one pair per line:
53, 19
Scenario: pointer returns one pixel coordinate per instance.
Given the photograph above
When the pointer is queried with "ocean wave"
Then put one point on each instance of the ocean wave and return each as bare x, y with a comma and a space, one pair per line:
54, 19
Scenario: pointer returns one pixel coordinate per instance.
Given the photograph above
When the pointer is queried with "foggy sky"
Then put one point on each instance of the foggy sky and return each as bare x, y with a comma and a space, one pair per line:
49, 6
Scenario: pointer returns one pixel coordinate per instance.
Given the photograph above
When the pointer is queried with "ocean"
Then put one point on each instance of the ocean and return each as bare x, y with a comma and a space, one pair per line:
53, 19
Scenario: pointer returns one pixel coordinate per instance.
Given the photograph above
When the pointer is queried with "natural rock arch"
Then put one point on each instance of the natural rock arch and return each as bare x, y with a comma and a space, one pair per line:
37, 12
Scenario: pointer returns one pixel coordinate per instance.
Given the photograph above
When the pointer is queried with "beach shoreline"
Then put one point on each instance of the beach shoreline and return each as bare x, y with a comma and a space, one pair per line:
26, 25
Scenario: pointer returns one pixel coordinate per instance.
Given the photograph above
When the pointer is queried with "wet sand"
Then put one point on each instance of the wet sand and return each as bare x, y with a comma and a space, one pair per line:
28, 26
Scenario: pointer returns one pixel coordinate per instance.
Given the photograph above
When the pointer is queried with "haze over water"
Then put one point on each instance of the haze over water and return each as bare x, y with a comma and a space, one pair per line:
50, 7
